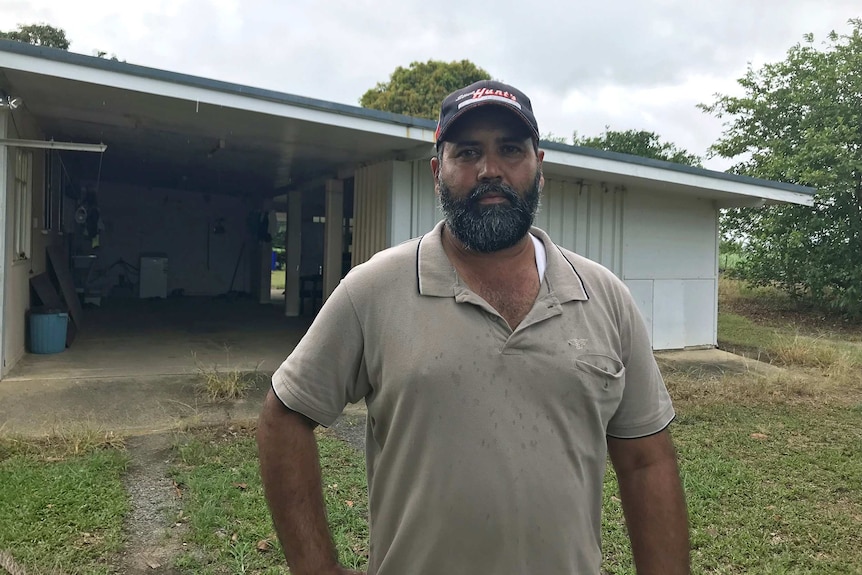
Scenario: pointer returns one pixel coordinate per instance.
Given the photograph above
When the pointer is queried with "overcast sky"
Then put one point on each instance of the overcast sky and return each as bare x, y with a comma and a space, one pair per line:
627, 64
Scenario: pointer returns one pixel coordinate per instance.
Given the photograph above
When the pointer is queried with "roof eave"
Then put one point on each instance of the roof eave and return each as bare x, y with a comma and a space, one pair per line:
90, 69
657, 171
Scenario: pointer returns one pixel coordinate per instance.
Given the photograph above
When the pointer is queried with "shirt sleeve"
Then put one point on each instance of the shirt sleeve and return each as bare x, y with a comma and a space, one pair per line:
326, 370
645, 408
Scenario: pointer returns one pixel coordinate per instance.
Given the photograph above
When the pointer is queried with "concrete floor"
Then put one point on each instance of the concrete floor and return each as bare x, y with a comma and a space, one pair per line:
140, 338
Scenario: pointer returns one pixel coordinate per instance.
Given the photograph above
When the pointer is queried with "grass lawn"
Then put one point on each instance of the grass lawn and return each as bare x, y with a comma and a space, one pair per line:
277, 279
230, 530
772, 489
62, 503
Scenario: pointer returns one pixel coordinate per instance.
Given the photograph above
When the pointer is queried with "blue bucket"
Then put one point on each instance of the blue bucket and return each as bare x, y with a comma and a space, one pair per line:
48, 332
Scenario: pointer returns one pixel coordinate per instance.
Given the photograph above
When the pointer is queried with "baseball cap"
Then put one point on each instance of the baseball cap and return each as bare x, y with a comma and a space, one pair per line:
484, 93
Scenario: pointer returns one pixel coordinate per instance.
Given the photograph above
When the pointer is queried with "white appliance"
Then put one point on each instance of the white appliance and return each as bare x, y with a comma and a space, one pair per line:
153, 276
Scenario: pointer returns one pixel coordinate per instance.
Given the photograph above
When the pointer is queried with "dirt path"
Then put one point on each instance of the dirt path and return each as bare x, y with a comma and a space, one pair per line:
153, 534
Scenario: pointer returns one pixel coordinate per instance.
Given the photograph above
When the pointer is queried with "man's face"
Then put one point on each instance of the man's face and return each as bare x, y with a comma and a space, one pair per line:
489, 179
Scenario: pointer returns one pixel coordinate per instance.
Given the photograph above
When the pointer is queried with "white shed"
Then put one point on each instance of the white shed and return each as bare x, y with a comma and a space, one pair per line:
184, 152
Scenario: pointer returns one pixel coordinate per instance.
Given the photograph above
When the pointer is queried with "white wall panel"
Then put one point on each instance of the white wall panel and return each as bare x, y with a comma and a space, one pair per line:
669, 314
669, 237
700, 313
642, 292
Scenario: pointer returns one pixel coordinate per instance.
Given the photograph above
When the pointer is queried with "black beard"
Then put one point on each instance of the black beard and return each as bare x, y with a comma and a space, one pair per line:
487, 229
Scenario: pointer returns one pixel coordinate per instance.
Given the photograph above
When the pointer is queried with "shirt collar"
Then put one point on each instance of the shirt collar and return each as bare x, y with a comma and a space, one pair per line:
436, 275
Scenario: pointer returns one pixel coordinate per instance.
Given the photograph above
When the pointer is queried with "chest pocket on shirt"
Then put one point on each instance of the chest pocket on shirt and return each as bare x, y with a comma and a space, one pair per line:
606, 374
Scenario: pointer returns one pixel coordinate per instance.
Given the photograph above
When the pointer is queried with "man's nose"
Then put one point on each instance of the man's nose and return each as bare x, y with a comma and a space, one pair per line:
490, 168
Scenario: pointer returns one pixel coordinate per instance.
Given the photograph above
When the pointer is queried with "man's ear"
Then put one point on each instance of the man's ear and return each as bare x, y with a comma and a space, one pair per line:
541, 157
435, 169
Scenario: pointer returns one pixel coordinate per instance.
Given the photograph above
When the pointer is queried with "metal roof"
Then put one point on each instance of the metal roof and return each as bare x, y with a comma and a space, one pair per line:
266, 130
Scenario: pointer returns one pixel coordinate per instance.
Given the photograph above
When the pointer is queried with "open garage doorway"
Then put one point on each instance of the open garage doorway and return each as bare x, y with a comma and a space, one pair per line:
312, 239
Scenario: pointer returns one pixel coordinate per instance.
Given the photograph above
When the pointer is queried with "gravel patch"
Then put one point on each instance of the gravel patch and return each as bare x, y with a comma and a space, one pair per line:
153, 530
350, 428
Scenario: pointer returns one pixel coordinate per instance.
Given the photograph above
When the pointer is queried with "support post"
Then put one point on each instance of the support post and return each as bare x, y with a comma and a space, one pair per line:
293, 253
333, 242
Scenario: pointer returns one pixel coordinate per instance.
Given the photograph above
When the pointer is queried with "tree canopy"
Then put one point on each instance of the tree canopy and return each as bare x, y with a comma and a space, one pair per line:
419, 89
38, 35
638, 143
799, 122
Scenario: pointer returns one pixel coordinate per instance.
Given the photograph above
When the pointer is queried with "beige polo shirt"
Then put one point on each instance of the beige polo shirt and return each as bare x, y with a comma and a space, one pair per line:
486, 447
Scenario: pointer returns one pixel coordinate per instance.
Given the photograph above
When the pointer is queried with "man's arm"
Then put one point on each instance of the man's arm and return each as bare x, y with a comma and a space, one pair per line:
290, 471
653, 503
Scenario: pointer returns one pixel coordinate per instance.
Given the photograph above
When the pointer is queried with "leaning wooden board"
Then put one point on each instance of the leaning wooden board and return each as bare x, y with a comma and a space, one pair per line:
67, 283
44, 288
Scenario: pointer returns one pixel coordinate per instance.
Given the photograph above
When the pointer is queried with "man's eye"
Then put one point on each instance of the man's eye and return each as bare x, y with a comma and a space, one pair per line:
468, 153
510, 150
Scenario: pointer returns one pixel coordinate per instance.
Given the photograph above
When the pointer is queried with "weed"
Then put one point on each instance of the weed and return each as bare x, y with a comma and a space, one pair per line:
225, 384
803, 352
61, 443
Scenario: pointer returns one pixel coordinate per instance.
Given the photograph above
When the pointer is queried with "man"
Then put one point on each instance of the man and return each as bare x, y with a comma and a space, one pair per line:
499, 371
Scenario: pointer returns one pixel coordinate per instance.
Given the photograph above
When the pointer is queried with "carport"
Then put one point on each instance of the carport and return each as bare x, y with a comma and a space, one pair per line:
193, 175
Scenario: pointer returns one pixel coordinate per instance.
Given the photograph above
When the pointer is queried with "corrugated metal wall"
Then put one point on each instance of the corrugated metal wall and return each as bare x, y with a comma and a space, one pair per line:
425, 212
585, 218
371, 199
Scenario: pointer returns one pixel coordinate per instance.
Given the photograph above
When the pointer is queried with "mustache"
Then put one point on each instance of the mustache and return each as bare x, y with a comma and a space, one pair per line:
496, 188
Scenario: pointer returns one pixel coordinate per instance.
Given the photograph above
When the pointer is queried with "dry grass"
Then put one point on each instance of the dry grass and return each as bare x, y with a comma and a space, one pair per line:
61, 443
222, 384
732, 291
796, 370
821, 360
10, 566
784, 387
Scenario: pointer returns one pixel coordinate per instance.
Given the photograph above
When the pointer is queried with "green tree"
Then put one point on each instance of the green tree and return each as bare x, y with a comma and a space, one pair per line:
637, 143
800, 121
38, 35
418, 89
552, 137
